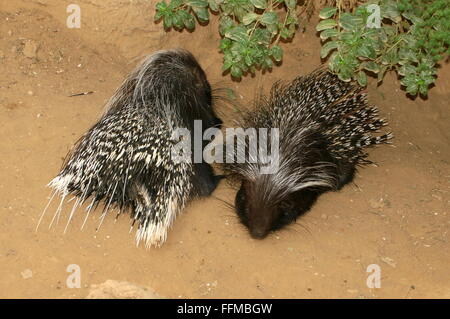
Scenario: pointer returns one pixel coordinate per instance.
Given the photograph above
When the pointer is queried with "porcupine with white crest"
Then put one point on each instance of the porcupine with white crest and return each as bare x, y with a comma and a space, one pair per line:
125, 158
324, 126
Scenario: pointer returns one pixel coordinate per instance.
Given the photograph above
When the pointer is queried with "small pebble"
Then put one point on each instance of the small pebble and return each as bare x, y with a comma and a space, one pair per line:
389, 261
376, 203
30, 49
26, 274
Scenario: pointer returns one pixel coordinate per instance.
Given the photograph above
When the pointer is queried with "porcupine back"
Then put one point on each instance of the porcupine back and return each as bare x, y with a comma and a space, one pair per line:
324, 127
125, 158
336, 109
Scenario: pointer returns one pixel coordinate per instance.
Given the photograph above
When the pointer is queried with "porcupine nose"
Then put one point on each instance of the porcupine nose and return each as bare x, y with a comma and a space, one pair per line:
258, 233
259, 222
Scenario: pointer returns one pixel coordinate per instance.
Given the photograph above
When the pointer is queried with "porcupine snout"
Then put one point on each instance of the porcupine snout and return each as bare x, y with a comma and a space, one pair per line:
260, 227
257, 215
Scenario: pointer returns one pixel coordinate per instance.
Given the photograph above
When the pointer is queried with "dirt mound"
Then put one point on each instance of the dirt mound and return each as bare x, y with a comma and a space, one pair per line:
112, 289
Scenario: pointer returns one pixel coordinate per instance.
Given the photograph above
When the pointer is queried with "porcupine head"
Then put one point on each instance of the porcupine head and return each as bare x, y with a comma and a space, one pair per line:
125, 159
275, 190
269, 196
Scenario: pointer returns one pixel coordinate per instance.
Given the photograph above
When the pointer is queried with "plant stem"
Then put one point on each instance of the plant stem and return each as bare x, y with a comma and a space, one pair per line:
284, 24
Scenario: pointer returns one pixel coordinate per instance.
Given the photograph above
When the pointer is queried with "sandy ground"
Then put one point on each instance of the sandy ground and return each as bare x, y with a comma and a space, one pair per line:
396, 215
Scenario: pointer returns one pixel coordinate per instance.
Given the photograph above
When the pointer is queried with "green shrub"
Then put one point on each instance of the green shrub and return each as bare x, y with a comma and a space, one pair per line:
412, 37
251, 29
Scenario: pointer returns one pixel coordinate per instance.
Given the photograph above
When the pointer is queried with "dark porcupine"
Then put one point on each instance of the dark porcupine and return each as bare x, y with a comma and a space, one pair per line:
125, 158
324, 126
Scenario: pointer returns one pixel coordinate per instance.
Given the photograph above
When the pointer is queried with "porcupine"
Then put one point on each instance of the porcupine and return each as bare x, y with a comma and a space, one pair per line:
125, 158
324, 125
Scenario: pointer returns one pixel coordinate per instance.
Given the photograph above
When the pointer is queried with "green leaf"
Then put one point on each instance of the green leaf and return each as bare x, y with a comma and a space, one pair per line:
351, 22
292, 18
326, 13
225, 24
273, 28
178, 20
390, 11
238, 33
332, 61
406, 70
197, 3
361, 77
189, 22
161, 10
412, 17
344, 76
174, 4
161, 6
226, 65
291, 4
423, 90
225, 44
214, 5
327, 47
260, 4
267, 63
326, 24
269, 18
202, 13
371, 66
277, 53
158, 15
248, 60
249, 18
262, 36
328, 33
381, 73
286, 33
412, 89
390, 57
366, 51
236, 71
240, 11
168, 21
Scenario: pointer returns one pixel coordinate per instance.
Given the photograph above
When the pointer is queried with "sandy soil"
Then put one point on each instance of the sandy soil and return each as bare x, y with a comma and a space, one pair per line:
396, 215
